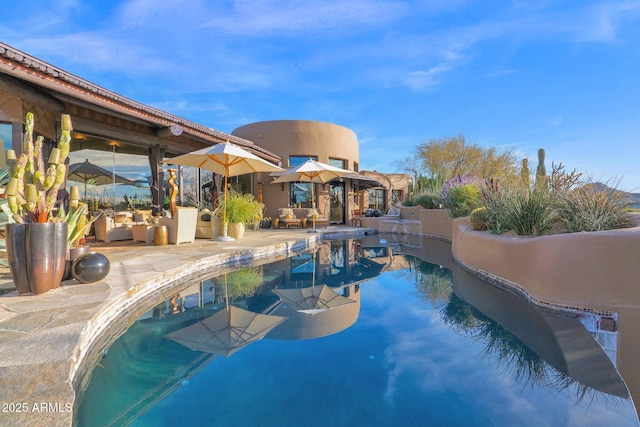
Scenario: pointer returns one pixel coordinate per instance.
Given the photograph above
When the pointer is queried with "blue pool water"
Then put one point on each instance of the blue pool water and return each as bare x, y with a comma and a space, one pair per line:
405, 351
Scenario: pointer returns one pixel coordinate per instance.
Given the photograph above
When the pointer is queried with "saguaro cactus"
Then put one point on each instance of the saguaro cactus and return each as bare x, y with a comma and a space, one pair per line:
524, 173
541, 171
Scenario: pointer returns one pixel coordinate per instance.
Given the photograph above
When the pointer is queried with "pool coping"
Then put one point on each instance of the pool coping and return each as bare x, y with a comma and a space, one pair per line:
46, 341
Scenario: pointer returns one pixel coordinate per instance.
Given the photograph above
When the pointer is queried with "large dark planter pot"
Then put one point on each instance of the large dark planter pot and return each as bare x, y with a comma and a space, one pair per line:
37, 251
16, 257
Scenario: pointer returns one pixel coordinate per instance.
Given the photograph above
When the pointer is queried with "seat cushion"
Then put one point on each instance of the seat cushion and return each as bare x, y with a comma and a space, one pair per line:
283, 213
308, 212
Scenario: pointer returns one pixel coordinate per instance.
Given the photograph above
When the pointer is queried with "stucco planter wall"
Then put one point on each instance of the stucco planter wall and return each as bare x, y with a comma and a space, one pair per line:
433, 222
598, 270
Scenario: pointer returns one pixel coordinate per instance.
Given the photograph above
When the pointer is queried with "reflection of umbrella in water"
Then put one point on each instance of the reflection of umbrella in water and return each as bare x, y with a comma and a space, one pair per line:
313, 300
225, 159
227, 331
85, 171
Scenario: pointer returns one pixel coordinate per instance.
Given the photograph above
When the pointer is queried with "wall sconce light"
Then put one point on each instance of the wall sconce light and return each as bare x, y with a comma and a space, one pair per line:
282, 186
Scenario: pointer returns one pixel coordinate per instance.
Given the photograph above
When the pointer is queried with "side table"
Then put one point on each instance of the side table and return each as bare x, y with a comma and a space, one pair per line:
160, 235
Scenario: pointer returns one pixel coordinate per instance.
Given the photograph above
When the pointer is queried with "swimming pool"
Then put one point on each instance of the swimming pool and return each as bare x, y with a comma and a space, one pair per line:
403, 349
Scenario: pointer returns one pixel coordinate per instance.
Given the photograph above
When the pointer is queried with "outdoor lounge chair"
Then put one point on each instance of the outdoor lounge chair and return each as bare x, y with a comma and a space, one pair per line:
287, 218
319, 219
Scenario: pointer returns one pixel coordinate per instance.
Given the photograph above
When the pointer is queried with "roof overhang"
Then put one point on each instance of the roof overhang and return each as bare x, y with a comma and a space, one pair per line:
179, 135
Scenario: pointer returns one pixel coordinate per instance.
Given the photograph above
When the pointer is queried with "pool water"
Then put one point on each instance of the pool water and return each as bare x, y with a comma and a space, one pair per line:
406, 350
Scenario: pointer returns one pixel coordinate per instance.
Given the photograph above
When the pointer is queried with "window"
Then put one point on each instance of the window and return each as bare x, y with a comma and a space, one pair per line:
300, 194
5, 142
339, 163
356, 168
298, 160
377, 199
397, 196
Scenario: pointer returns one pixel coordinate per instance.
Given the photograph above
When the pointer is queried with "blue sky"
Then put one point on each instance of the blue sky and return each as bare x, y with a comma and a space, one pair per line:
563, 75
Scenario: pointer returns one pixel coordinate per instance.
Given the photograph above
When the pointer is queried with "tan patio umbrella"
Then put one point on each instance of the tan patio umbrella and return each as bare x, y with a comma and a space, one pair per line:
314, 172
85, 171
225, 159
227, 331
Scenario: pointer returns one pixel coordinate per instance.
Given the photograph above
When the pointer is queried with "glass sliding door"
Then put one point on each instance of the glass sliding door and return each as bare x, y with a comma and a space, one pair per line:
336, 203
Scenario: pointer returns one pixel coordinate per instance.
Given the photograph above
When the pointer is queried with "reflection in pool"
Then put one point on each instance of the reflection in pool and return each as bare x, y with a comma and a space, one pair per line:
400, 348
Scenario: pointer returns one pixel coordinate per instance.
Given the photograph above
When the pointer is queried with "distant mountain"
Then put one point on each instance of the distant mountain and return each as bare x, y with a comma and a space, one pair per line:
632, 199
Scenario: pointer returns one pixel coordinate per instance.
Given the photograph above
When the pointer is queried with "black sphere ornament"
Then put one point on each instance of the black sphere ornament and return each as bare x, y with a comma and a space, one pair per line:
89, 268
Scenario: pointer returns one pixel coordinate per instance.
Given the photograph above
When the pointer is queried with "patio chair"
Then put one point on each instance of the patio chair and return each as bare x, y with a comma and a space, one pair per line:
288, 219
356, 219
319, 219
182, 226
209, 224
108, 230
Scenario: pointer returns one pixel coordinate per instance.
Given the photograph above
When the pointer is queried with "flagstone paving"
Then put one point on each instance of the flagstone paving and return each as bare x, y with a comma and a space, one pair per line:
48, 340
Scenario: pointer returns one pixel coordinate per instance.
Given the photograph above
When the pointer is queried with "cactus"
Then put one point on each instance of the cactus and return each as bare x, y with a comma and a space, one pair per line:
479, 219
29, 168
524, 173
541, 171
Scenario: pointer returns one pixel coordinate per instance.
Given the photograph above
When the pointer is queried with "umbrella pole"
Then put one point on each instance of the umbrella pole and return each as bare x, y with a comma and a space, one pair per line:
225, 225
313, 206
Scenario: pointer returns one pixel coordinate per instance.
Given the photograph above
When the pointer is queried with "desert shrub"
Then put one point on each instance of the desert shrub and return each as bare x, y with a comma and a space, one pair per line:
528, 212
410, 201
430, 201
458, 182
591, 207
463, 199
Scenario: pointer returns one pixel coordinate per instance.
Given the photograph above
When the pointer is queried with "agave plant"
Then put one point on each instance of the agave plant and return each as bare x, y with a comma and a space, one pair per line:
77, 224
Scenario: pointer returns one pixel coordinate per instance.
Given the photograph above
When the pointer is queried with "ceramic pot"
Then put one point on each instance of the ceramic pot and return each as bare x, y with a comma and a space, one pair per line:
236, 230
37, 251
46, 250
16, 257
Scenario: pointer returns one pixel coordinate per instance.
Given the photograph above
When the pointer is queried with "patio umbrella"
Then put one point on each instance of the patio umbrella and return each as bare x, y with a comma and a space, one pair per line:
228, 160
227, 331
85, 171
312, 171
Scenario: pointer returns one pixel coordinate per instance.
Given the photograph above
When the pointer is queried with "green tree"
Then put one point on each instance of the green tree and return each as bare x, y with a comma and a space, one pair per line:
449, 157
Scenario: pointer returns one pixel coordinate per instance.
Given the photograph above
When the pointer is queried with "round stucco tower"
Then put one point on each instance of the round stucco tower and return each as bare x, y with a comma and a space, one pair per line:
295, 141
304, 138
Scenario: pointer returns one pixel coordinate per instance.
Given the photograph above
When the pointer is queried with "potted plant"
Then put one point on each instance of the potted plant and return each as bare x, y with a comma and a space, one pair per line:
241, 209
37, 242
77, 228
